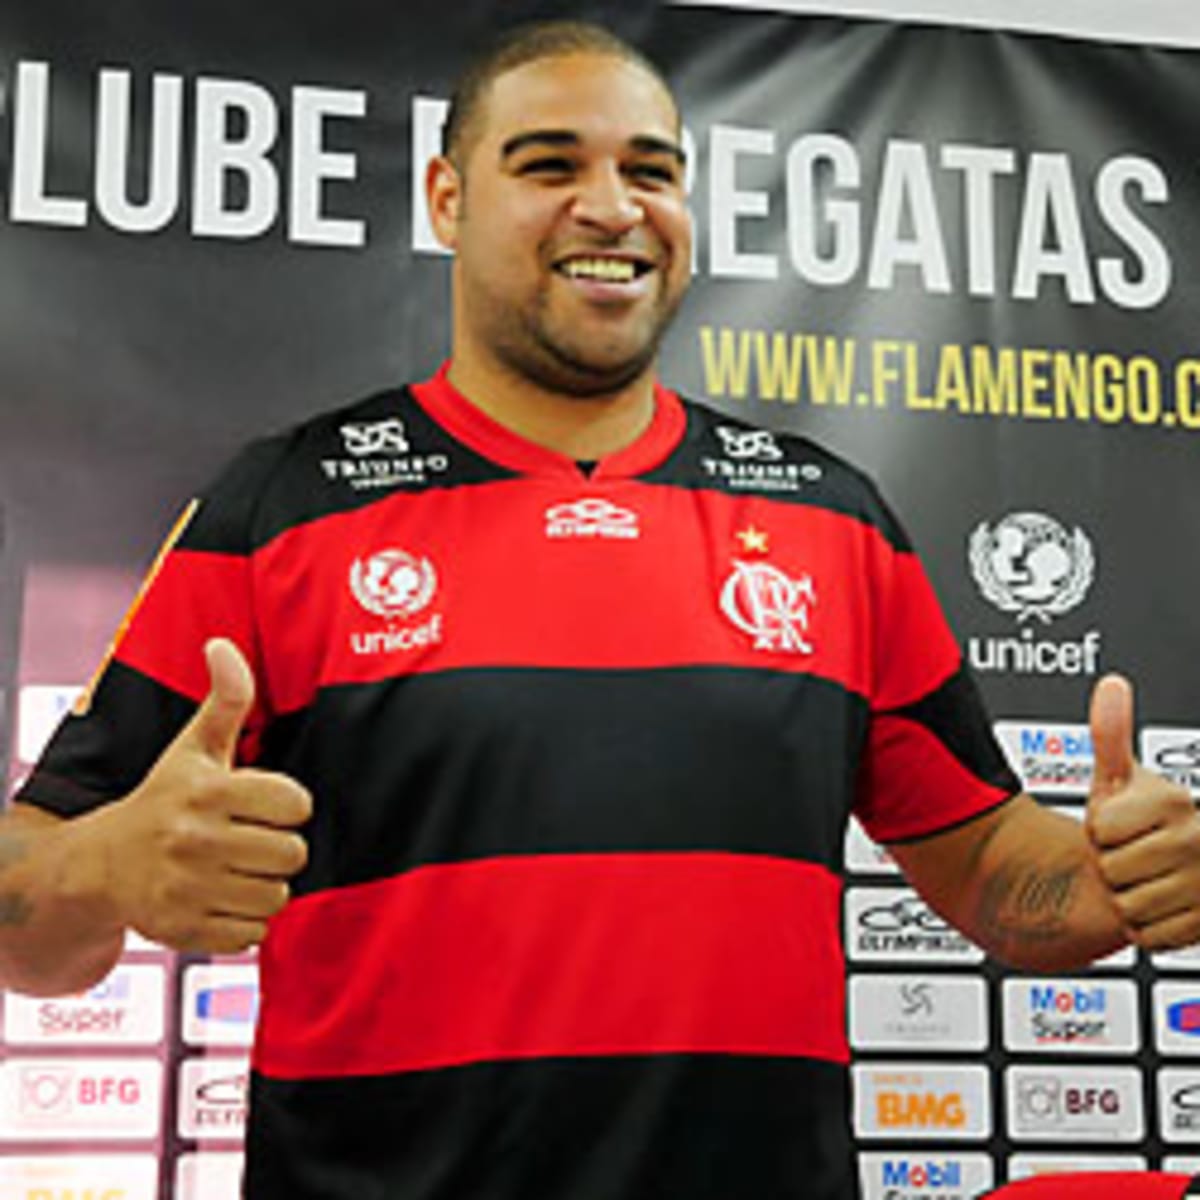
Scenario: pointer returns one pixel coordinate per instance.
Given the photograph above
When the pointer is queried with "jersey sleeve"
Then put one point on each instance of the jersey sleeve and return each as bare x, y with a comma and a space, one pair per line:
154, 674
931, 760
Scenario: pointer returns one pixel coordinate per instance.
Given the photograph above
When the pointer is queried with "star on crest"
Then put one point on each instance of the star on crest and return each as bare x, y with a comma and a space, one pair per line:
754, 541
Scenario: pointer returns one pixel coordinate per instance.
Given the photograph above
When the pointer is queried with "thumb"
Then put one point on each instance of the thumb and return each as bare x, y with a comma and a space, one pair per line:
214, 729
1111, 722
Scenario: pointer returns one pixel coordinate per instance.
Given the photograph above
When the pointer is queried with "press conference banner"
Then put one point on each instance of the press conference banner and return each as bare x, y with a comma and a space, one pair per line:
963, 259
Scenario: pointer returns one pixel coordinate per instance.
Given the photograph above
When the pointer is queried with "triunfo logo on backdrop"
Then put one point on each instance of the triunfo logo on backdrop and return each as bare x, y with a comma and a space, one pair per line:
924, 1177
1177, 1018
1065, 1016
80, 1177
1091, 1104
56, 1099
896, 925
1029, 567
896, 1012
1174, 753
752, 460
124, 1009
922, 1102
1051, 759
1179, 1104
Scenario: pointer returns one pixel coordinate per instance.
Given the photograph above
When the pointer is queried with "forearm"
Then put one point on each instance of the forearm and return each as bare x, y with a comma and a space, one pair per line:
1029, 890
59, 931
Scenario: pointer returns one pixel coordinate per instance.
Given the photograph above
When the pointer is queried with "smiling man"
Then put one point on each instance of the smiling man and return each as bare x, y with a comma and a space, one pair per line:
530, 763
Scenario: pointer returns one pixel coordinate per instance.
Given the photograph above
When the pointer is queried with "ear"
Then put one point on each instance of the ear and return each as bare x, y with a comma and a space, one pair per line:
444, 196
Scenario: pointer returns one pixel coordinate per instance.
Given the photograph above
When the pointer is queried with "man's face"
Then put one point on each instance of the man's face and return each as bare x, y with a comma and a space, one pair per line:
568, 222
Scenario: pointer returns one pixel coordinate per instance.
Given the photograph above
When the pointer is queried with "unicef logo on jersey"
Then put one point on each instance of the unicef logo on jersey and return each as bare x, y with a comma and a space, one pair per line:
393, 583
771, 607
1029, 566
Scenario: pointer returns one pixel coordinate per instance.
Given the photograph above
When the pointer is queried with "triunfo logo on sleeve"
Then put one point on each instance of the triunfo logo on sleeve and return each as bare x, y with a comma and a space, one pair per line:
895, 1012
1174, 753
922, 1101
1179, 1104
220, 1004
53, 1099
124, 1009
212, 1098
1177, 1018
1052, 760
207, 1176
865, 856
1093, 1104
896, 925
80, 1177
1071, 1016
924, 1177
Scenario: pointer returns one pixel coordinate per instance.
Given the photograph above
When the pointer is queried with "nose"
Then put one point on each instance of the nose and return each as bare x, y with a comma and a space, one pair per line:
605, 201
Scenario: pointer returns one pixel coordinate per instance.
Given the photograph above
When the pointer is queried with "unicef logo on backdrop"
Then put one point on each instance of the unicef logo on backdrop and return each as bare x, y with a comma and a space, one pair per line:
1032, 569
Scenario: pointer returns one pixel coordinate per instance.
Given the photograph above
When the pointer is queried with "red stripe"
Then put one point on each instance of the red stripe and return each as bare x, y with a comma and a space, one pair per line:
905, 765
530, 957
506, 594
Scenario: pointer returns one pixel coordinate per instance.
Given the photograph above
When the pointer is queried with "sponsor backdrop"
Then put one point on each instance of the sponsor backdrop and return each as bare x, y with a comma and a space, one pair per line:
961, 258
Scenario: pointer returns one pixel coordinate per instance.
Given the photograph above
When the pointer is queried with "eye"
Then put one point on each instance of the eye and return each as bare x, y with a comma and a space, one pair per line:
547, 165
663, 173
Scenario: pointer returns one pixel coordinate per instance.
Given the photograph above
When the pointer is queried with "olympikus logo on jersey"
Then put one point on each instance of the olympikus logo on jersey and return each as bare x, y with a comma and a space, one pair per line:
773, 608
376, 437
591, 517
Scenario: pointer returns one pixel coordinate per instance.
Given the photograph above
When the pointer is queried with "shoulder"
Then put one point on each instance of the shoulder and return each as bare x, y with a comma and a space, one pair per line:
743, 456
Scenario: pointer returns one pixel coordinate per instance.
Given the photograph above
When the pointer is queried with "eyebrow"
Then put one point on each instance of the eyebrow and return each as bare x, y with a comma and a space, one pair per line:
643, 143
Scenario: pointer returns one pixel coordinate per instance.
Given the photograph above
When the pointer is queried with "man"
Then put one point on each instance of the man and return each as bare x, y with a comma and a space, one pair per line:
552, 751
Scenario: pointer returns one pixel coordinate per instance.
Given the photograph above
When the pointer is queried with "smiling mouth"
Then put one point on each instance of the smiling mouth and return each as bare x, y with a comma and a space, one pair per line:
604, 270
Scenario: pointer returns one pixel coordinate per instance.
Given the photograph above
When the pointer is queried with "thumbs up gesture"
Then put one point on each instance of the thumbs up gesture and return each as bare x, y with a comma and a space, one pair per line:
202, 850
1145, 830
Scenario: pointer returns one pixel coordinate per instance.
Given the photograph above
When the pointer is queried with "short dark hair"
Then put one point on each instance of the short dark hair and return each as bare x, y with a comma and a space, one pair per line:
524, 44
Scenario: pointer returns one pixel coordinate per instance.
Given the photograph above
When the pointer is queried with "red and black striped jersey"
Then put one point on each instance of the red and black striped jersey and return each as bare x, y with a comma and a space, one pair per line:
583, 747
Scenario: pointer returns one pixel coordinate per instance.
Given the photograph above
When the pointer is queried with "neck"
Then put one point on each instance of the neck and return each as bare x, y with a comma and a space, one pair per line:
585, 428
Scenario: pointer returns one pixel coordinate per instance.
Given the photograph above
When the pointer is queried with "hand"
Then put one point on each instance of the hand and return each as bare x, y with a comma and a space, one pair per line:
1146, 830
202, 851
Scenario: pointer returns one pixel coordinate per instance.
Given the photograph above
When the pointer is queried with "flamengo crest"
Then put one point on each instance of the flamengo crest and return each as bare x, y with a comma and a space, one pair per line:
1030, 565
770, 606
393, 583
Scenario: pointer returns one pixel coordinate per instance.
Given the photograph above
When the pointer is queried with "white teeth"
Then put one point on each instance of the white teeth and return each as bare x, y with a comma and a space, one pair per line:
609, 269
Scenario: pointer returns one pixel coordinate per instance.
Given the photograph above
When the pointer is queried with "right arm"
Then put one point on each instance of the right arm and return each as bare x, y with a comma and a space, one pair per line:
196, 857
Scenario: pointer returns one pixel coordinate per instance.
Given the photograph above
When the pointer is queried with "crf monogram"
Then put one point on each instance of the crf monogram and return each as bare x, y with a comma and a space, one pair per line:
773, 608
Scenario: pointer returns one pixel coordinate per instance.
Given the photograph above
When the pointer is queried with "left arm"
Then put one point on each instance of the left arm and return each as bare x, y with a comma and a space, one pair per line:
1021, 881
1041, 891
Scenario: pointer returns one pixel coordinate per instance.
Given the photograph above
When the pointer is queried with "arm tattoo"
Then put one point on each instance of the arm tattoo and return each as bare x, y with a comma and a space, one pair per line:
1026, 905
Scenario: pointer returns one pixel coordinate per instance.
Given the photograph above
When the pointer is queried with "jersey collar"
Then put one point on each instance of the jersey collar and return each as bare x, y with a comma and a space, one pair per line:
500, 445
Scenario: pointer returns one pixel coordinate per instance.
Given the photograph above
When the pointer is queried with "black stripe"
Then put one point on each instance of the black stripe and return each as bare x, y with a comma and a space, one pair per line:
107, 753
488, 762
663, 1128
